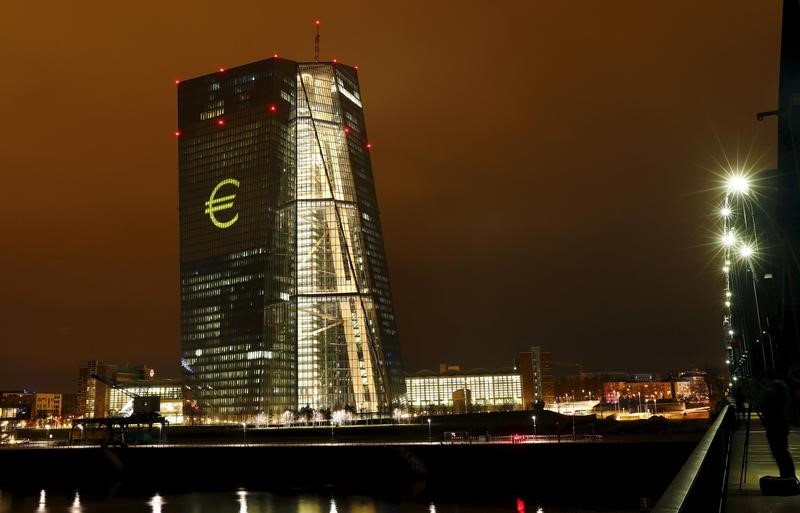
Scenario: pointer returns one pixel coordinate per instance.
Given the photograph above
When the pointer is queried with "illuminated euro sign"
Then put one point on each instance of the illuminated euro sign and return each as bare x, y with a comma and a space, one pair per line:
215, 204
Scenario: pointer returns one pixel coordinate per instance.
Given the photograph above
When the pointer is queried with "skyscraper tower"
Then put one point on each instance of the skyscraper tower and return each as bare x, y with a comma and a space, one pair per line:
285, 298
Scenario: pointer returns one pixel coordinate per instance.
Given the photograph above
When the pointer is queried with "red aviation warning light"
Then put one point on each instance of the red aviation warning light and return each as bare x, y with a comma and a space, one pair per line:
177, 133
221, 122
273, 108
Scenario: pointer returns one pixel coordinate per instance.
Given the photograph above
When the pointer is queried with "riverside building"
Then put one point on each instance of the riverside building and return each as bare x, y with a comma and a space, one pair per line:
285, 297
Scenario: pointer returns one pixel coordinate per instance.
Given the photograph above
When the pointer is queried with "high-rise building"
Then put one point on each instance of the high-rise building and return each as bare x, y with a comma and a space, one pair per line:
285, 298
93, 394
536, 369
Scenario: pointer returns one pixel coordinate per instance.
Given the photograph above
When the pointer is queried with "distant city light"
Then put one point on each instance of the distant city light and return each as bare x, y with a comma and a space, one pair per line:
728, 294
730, 332
746, 251
727, 303
725, 211
726, 269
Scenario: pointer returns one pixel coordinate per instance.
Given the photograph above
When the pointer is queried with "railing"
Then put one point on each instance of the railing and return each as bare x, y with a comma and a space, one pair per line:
701, 484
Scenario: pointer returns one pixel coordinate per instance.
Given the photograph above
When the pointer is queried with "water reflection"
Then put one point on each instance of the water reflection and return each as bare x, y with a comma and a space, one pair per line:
156, 503
42, 501
76, 504
333, 506
432, 508
242, 500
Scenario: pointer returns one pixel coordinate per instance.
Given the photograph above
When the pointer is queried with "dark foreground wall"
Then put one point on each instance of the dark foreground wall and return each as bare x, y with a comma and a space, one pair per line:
592, 468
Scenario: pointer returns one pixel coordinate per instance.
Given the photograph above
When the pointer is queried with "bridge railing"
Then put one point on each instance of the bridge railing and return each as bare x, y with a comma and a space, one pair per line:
701, 484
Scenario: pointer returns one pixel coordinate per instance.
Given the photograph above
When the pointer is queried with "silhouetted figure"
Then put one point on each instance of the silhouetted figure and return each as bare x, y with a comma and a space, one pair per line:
774, 403
738, 397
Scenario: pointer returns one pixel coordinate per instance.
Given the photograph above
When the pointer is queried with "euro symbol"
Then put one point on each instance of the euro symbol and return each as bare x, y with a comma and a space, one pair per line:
222, 203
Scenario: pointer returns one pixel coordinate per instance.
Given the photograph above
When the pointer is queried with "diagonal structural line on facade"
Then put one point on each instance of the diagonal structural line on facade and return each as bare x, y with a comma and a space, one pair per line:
374, 349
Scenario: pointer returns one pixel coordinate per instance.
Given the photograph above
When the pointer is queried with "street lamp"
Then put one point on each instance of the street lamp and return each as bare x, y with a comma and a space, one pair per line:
430, 438
534, 426
639, 410
738, 184
80, 426
244, 433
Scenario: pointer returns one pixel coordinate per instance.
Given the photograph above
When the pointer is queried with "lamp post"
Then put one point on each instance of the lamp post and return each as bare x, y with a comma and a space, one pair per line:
639, 410
244, 433
80, 426
430, 437
534, 426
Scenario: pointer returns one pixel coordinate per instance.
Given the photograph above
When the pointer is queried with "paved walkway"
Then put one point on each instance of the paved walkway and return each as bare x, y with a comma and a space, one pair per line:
760, 463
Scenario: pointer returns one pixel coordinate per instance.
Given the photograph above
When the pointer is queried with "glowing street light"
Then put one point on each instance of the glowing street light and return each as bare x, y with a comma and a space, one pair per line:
746, 251
430, 438
725, 211
729, 238
738, 184
534, 426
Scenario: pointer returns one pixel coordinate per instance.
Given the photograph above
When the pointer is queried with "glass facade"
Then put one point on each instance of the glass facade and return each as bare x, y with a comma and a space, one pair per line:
284, 290
169, 392
491, 391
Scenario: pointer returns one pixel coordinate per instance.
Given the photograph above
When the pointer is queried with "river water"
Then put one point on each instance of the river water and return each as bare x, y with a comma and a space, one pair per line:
244, 501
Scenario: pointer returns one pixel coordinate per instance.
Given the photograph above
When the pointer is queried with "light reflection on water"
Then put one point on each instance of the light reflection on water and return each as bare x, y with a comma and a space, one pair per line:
42, 502
76, 504
244, 501
156, 503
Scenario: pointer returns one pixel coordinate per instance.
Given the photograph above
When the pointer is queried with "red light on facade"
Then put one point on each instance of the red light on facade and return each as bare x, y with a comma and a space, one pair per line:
221, 122
356, 66
177, 82
369, 145
177, 133
334, 61
273, 108
347, 129
222, 70
274, 55
317, 22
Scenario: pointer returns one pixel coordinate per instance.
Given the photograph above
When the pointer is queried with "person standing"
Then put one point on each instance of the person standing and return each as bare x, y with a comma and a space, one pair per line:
774, 404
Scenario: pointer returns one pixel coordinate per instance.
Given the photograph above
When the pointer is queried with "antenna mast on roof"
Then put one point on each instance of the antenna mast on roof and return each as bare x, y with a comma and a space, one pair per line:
316, 45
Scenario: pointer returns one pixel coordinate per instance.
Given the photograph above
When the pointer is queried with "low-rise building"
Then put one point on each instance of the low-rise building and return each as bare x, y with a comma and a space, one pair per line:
484, 390
169, 392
